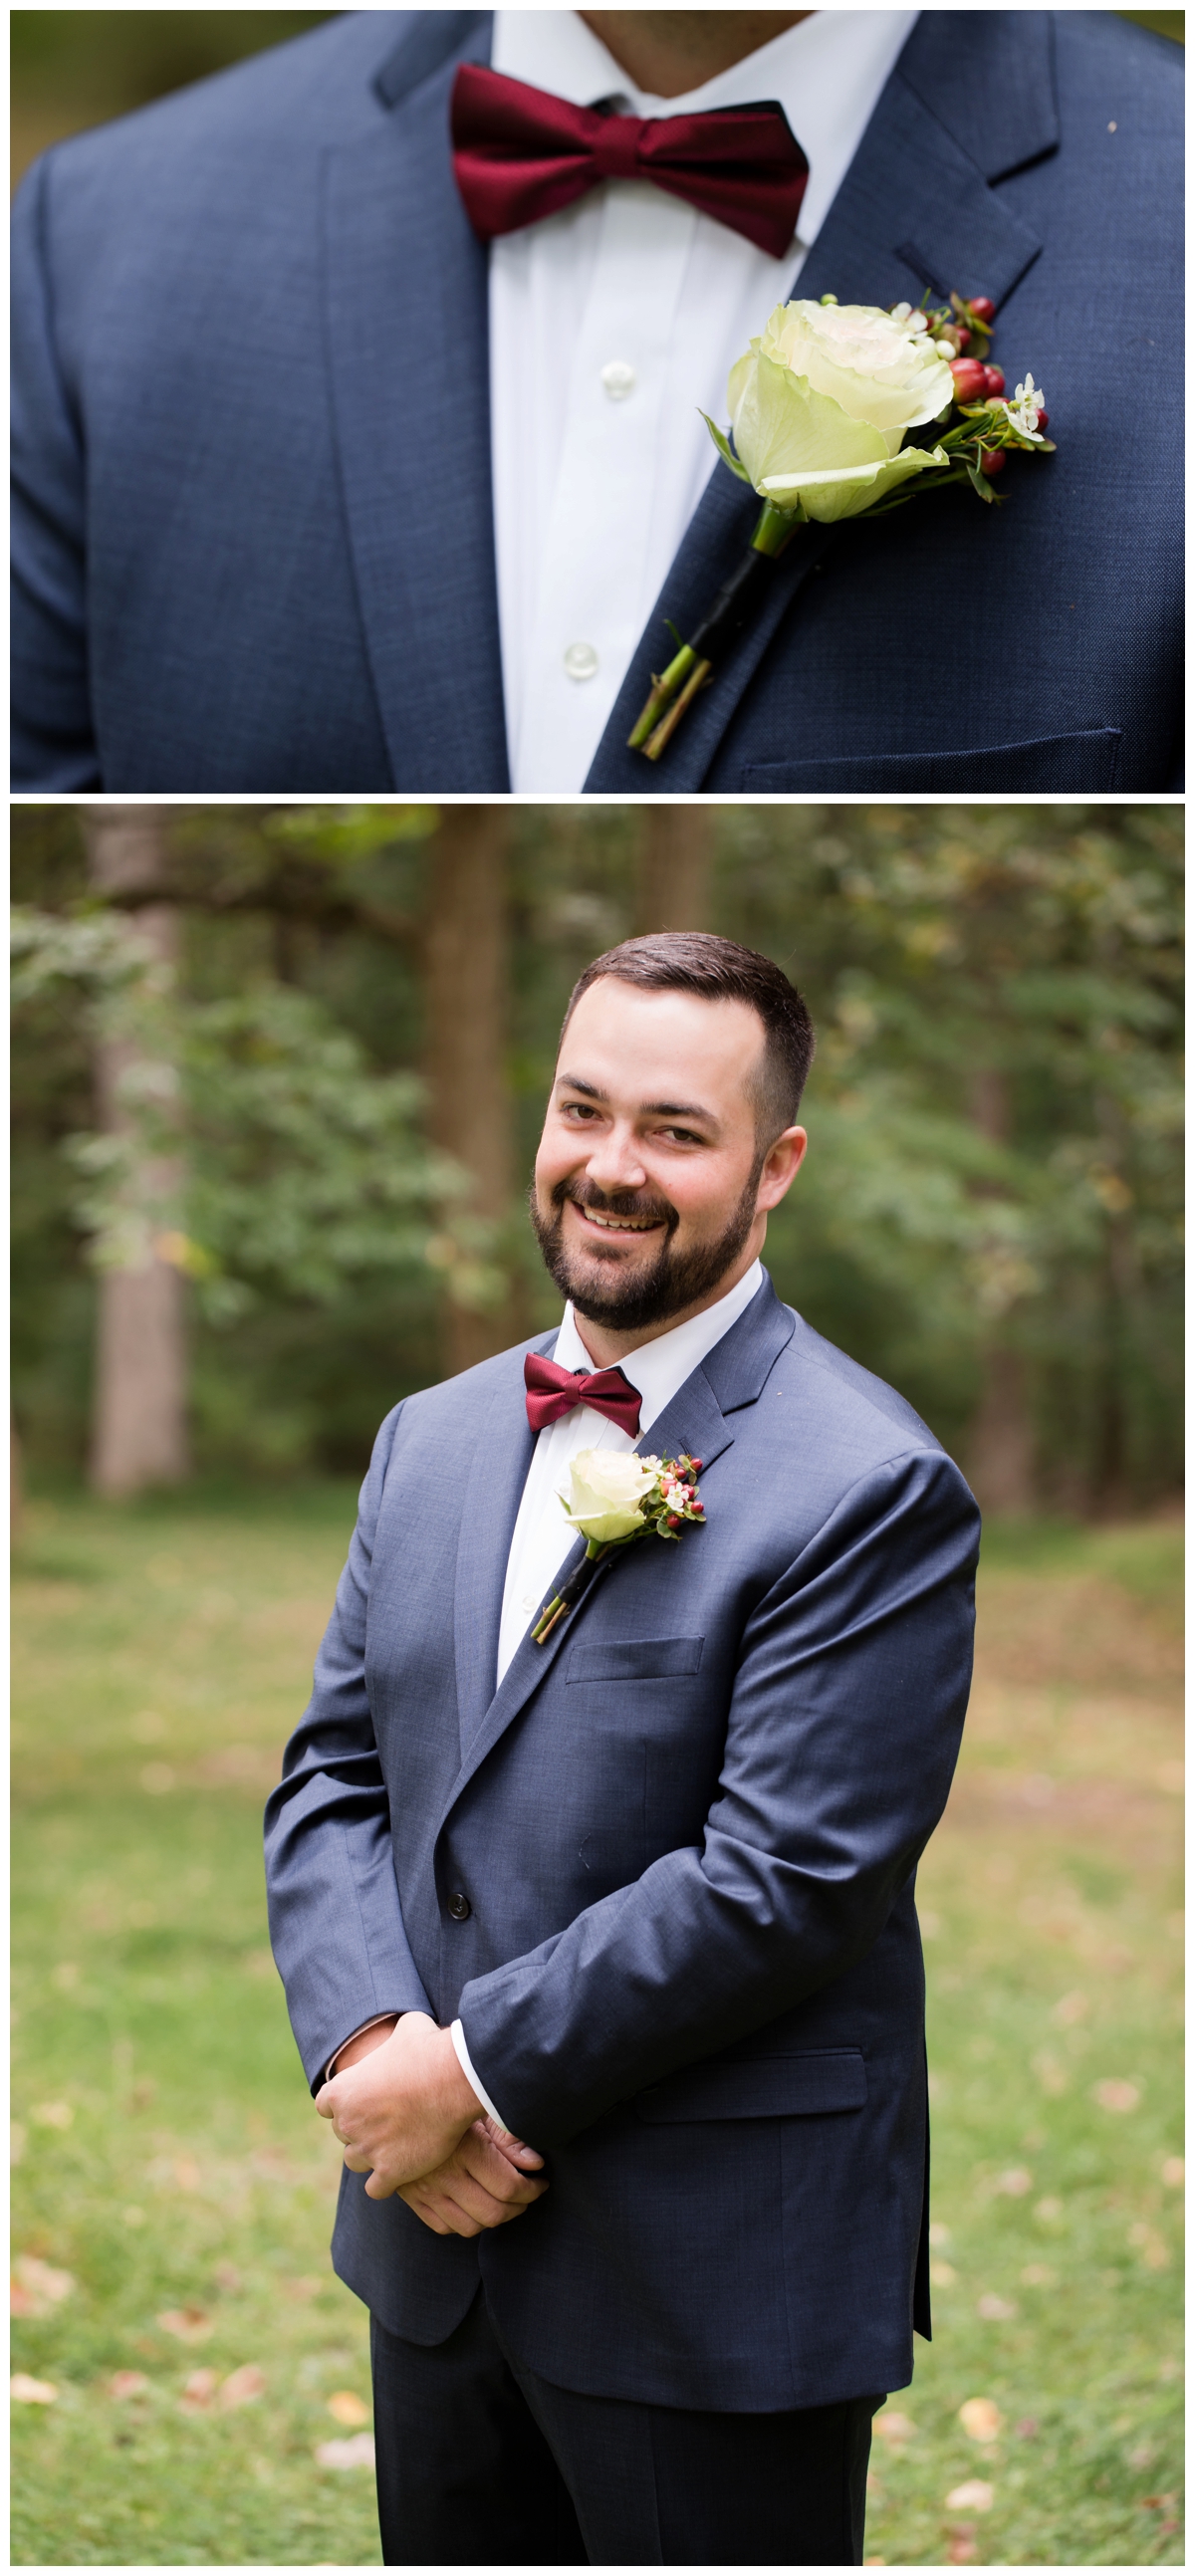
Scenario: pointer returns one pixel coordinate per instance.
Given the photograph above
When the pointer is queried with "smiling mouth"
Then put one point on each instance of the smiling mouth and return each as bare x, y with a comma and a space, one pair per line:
605, 1224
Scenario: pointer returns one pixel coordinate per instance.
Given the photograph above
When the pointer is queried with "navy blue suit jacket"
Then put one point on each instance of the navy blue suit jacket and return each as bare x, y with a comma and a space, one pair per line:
254, 529
687, 1828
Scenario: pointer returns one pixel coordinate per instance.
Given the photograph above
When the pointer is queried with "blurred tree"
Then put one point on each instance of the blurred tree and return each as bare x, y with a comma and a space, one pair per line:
675, 868
139, 1431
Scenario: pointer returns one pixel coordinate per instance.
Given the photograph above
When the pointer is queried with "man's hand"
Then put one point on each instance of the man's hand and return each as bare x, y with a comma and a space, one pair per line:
401, 2109
488, 2180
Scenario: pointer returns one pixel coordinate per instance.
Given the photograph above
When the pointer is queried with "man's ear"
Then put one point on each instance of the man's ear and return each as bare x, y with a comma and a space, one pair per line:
782, 1163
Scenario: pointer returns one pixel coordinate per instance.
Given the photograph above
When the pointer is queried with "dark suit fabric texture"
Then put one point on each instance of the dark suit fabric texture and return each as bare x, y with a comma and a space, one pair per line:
253, 525
686, 1828
481, 2462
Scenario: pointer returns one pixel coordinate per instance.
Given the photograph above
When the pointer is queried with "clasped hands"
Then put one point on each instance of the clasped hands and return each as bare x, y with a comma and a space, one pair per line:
406, 2115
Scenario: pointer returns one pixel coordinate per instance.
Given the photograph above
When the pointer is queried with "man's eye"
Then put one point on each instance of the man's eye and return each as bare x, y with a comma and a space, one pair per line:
682, 1135
578, 1109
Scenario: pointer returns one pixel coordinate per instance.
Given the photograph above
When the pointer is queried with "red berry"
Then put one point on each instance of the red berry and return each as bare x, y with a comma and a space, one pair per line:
991, 460
968, 379
1043, 420
993, 380
964, 339
982, 307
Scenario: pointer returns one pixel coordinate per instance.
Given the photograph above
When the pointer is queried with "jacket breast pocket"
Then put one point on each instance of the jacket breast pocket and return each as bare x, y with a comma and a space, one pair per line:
1056, 762
762, 2088
635, 1659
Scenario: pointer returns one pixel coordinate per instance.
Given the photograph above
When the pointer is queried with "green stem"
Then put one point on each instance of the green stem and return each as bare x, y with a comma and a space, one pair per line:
774, 527
663, 690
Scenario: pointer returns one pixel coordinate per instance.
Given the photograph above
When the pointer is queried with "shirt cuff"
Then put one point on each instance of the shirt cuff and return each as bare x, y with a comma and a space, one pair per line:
470, 2072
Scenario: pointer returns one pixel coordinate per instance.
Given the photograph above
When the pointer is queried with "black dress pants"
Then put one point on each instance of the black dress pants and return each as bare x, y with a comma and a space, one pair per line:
482, 2463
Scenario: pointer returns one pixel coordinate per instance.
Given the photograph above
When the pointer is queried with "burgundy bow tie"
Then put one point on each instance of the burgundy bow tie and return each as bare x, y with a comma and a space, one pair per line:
553, 1392
520, 154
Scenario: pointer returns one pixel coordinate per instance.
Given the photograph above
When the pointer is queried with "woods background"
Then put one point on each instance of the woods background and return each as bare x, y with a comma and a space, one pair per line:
279, 1075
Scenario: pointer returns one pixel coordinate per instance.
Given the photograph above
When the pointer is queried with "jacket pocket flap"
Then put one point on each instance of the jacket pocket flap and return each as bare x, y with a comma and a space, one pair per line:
761, 2088
635, 1659
1059, 761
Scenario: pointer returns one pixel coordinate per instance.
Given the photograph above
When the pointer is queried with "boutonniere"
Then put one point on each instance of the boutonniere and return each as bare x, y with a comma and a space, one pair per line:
612, 1500
833, 410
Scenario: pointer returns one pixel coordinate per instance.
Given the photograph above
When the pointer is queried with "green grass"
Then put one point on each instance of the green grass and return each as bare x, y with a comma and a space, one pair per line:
162, 1653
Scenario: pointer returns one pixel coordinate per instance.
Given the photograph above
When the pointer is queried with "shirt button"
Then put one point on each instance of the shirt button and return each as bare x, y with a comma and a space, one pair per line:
619, 379
459, 1906
580, 661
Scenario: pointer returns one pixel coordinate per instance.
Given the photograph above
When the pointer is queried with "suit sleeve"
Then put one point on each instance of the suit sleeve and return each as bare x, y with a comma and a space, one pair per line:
336, 1924
53, 743
843, 1733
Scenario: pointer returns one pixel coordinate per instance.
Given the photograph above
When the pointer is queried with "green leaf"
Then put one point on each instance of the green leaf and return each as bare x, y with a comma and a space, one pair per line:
980, 483
725, 450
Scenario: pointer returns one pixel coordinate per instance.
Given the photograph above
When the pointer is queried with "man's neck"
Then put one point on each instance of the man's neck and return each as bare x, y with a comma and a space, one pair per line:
667, 52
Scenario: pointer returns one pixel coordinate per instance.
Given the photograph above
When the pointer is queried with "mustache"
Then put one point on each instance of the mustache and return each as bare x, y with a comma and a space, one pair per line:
616, 1203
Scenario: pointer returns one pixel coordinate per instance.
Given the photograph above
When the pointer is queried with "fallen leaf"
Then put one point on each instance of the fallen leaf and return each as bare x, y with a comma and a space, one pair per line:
894, 2427
981, 2419
32, 2392
1026, 2430
157, 1778
133, 2217
1039, 2276
36, 2287
1048, 2209
1152, 2248
964, 2547
301, 2285
16, 2142
973, 2496
938, 2234
228, 2279
1172, 1776
198, 2392
52, 2115
127, 2383
191, 2325
65, 1976
1015, 2183
1174, 2173
1114, 2094
1070, 2008
242, 2386
943, 2275
348, 2408
356, 2453
995, 2310
1142, 2456
187, 2174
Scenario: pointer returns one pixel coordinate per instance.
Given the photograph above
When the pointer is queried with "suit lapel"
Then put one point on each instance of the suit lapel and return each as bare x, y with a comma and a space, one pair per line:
731, 1376
914, 210
501, 1457
408, 346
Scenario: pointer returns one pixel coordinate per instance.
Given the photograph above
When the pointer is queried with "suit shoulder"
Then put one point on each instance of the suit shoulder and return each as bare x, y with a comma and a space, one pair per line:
829, 1378
316, 89
451, 1396
1103, 56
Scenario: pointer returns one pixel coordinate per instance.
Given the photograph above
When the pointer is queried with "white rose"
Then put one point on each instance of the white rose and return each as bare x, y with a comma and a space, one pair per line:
822, 400
606, 1487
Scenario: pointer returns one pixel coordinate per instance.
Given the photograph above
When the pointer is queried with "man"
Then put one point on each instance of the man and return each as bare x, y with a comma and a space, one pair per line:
601, 1951
320, 490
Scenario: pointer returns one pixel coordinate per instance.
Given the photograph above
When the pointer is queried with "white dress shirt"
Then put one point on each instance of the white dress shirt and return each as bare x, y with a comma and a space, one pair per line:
542, 1538
613, 325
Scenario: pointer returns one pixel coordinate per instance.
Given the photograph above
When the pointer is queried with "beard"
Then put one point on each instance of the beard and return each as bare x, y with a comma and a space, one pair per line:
673, 1281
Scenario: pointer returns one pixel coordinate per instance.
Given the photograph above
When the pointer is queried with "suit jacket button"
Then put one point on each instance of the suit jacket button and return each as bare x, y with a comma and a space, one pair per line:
459, 1906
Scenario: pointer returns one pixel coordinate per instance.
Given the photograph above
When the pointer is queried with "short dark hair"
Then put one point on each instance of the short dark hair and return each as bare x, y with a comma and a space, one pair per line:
718, 970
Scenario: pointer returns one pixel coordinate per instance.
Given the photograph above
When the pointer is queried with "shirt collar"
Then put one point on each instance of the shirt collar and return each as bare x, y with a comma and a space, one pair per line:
826, 74
659, 1369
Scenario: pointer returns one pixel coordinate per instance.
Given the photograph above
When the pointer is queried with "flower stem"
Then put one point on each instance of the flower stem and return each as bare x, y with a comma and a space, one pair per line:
664, 689
774, 527
562, 1602
667, 727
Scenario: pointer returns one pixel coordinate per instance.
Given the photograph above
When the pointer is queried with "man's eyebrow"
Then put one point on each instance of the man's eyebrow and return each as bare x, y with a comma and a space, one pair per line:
648, 1108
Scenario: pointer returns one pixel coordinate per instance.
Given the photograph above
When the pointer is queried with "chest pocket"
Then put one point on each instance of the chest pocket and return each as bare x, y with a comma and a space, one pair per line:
635, 1659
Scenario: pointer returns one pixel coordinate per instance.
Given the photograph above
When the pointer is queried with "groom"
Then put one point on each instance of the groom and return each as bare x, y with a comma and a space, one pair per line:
341, 469
601, 1953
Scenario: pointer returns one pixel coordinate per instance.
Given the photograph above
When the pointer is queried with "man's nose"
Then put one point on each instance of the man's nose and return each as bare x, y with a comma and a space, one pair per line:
616, 1162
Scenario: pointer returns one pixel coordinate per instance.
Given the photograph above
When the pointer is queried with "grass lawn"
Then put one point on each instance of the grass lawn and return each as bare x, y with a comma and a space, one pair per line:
173, 2189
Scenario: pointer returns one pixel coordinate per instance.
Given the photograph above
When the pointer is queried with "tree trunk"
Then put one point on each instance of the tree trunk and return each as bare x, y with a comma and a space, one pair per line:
1000, 1452
466, 999
139, 1433
675, 868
